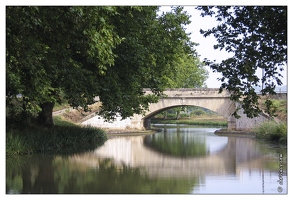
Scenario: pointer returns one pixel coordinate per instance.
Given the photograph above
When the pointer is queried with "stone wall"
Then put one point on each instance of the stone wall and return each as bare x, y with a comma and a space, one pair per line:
245, 124
99, 122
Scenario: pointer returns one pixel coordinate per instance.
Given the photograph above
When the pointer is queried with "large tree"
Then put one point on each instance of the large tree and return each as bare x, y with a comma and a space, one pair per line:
84, 52
257, 37
150, 46
54, 49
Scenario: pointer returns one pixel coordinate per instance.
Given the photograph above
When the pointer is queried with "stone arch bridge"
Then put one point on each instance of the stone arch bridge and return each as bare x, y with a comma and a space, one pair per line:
209, 98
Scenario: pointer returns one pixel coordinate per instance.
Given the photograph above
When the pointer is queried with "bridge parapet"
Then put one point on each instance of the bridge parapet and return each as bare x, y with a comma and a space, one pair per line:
193, 93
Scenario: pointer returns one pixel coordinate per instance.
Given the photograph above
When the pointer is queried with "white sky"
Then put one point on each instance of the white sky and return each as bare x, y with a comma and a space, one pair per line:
205, 48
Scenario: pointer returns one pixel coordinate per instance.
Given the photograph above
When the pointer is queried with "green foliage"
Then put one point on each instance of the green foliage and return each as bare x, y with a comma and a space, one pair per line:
60, 121
272, 131
185, 111
76, 53
257, 37
64, 137
283, 106
199, 112
61, 106
271, 107
55, 49
144, 58
16, 144
188, 73
204, 122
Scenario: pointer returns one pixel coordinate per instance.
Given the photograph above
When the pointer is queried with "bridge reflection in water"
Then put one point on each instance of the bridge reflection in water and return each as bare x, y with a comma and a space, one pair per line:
132, 152
188, 160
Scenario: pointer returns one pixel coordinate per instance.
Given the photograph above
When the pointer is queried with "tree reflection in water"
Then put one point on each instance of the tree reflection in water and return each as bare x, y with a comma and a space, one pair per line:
138, 165
62, 176
177, 144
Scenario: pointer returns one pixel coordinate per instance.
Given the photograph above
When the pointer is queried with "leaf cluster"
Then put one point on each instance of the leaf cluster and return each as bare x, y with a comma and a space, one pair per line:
80, 52
257, 38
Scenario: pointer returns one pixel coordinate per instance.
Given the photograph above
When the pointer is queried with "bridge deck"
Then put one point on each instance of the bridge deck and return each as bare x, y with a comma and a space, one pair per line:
192, 93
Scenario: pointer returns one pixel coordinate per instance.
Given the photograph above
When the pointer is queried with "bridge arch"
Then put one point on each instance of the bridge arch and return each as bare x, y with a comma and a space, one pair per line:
224, 107
204, 97
153, 114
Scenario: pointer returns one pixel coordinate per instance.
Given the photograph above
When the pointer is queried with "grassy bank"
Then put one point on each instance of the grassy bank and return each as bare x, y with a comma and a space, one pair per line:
272, 131
64, 137
192, 121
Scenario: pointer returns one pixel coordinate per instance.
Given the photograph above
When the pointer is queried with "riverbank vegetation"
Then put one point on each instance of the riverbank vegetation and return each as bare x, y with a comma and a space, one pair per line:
277, 107
272, 131
205, 121
64, 137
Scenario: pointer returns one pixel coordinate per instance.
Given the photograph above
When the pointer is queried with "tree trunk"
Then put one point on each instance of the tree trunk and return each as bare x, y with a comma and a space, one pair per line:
178, 114
165, 114
45, 117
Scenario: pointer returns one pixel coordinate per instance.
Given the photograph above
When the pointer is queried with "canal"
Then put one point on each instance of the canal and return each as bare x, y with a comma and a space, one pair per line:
180, 159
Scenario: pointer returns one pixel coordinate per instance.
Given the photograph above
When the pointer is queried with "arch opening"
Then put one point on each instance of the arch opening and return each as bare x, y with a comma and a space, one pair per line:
187, 112
219, 103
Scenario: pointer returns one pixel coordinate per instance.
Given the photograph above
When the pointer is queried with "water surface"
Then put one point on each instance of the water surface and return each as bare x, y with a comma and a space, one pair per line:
179, 160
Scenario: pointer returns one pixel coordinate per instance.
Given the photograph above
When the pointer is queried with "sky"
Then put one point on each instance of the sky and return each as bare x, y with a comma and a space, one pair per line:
205, 48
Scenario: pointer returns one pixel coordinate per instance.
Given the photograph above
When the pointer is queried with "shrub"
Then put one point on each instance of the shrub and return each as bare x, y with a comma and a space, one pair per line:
272, 131
199, 112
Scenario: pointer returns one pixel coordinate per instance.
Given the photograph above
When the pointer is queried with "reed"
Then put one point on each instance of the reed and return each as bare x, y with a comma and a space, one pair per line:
16, 144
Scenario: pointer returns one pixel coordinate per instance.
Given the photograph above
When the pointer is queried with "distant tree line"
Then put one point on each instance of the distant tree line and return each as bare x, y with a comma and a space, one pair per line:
185, 112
